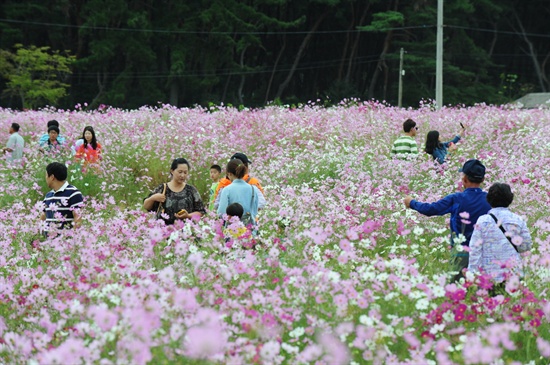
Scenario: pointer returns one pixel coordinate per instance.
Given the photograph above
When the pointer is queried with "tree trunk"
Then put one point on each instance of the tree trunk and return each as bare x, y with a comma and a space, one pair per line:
380, 64
532, 53
346, 44
243, 77
274, 69
356, 45
301, 50
174, 93
101, 88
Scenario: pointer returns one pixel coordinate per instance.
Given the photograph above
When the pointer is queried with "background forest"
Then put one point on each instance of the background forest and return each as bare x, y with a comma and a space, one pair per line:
133, 53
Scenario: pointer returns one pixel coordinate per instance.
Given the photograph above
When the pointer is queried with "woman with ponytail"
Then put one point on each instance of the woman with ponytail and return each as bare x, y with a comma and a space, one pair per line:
239, 191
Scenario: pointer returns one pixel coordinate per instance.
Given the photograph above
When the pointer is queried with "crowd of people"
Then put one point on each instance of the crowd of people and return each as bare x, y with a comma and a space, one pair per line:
486, 237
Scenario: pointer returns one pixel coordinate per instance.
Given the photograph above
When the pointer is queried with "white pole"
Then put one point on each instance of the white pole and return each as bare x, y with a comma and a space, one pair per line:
439, 57
400, 95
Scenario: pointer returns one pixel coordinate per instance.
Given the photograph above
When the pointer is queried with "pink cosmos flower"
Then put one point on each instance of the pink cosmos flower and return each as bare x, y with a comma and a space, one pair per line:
203, 342
345, 245
543, 346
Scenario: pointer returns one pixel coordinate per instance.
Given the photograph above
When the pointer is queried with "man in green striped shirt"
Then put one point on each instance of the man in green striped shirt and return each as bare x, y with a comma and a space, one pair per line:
405, 145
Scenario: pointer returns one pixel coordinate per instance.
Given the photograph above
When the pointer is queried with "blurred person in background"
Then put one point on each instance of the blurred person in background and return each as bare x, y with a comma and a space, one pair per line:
15, 145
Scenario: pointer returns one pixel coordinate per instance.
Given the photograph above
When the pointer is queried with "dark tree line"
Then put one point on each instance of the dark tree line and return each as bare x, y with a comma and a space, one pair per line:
134, 53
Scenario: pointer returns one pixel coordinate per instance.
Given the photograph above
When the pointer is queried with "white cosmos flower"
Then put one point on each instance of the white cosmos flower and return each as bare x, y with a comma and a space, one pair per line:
418, 231
422, 304
297, 332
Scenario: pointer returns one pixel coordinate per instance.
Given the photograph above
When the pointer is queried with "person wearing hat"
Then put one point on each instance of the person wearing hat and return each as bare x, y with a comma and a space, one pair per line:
247, 178
465, 208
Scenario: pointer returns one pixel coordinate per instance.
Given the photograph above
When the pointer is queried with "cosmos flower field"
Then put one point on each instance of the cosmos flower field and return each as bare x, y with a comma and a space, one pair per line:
341, 272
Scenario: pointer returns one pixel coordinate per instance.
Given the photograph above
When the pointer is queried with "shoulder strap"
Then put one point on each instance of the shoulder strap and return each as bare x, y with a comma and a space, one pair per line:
504, 232
252, 198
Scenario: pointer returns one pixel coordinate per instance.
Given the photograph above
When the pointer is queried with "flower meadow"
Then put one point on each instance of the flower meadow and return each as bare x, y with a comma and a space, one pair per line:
340, 273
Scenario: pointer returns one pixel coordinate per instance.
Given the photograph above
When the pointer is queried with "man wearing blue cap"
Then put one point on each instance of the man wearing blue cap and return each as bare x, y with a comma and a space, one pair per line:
472, 202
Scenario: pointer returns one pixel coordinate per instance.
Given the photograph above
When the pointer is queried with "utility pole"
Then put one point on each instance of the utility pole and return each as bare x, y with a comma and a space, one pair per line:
401, 73
439, 57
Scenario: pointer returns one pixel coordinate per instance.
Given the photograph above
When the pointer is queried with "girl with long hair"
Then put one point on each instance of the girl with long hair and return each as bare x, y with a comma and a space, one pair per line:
439, 150
90, 149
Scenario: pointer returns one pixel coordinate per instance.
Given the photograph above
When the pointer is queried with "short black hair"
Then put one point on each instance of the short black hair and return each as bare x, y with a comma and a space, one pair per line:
216, 167
179, 161
53, 128
500, 195
58, 170
53, 122
235, 209
15, 127
408, 125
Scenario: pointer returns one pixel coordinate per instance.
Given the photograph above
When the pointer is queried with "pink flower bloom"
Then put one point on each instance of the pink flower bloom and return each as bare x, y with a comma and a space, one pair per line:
464, 215
543, 346
345, 245
203, 342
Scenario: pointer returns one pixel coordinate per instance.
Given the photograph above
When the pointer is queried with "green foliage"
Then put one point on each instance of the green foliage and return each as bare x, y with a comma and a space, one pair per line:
384, 20
36, 75
130, 54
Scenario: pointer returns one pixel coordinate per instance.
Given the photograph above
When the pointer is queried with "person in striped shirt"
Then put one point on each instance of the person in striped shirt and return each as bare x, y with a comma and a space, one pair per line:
405, 145
62, 203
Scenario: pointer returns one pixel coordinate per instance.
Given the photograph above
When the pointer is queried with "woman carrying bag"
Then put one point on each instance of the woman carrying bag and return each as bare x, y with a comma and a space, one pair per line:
175, 199
239, 191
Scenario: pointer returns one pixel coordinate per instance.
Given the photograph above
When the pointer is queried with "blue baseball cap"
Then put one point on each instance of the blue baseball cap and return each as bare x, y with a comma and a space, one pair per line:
473, 168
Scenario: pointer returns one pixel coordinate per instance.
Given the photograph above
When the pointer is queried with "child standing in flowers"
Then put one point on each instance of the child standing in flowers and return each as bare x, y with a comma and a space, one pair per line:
499, 237
233, 227
437, 149
175, 199
465, 208
215, 172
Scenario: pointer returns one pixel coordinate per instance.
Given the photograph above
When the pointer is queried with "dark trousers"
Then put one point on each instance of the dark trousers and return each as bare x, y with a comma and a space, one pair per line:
458, 263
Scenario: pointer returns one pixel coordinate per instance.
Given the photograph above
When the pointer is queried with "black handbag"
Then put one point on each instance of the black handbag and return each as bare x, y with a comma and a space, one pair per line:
160, 208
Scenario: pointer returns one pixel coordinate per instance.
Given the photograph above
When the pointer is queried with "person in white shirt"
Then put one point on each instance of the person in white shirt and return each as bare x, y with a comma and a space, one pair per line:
14, 148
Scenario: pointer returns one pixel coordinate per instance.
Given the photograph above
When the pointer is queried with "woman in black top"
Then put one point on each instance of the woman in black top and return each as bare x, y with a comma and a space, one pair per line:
179, 200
